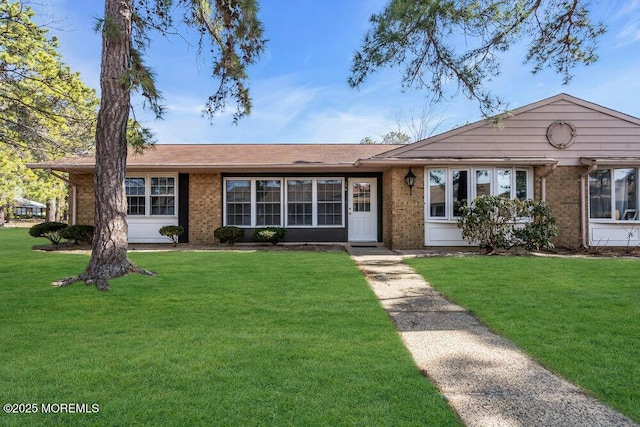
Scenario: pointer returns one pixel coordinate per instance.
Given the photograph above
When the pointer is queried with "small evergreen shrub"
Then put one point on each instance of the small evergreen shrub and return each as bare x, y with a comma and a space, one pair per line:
495, 222
228, 234
173, 232
269, 234
81, 234
48, 230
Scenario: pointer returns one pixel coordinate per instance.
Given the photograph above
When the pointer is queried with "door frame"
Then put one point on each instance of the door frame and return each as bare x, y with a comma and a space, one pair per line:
375, 209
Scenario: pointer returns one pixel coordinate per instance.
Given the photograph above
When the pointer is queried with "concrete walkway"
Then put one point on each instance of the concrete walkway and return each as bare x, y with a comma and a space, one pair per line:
485, 378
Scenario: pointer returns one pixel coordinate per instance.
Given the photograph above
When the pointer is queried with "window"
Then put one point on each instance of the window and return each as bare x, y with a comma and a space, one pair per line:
613, 194
330, 201
162, 196
135, 191
150, 195
449, 189
460, 185
504, 183
299, 202
296, 202
437, 195
238, 202
268, 203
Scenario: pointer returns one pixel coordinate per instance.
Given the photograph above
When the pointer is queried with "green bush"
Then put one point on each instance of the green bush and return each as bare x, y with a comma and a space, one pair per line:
269, 234
48, 230
173, 232
541, 227
81, 234
228, 234
494, 222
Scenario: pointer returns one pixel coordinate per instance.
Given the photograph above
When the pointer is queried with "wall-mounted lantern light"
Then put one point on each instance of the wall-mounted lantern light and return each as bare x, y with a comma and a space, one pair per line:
410, 179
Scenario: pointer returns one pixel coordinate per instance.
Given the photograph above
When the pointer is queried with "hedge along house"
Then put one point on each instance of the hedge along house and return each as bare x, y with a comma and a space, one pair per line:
581, 158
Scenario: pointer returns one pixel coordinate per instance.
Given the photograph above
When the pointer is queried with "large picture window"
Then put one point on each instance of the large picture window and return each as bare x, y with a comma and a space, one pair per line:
291, 202
613, 194
150, 195
449, 188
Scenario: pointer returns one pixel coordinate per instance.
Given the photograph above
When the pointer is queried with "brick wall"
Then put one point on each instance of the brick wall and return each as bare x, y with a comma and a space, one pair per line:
403, 214
85, 198
205, 207
563, 195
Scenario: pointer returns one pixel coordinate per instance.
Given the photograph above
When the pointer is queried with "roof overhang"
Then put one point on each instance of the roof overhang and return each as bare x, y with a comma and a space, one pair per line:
463, 161
610, 161
303, 167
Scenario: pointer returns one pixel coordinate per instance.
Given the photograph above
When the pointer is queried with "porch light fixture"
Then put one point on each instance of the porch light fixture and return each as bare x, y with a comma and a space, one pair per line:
410, 179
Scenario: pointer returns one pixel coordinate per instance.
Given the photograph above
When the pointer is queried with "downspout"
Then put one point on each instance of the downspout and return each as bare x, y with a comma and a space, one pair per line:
74, 194
583, 202
543, 181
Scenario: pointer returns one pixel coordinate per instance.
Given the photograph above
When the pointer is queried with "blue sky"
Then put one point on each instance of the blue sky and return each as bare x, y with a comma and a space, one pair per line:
299, 87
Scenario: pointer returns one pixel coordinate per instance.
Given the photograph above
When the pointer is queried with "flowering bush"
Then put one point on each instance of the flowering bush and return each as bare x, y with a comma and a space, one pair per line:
269, 234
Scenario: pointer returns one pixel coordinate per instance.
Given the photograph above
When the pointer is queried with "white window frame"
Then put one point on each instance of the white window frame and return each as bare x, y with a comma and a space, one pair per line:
471, 185
147, 194
284, 200
612, 196
314, 202
254, 204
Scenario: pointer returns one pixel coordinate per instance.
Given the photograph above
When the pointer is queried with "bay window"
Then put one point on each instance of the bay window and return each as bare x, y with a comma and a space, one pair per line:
613, 194
451, 188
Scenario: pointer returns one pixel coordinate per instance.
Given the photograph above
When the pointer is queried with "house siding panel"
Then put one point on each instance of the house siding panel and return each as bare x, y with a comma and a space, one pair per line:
525, 134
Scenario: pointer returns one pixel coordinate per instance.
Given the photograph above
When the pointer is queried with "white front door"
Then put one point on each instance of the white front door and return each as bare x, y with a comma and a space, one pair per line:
363, 210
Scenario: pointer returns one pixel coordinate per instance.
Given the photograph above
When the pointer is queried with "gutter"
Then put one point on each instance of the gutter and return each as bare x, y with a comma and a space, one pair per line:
74, 195
543, 181
583, 202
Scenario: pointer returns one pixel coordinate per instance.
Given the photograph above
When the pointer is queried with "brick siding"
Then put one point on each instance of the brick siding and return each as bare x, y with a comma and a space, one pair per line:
403, 213
85, 198
563, 196
205, 207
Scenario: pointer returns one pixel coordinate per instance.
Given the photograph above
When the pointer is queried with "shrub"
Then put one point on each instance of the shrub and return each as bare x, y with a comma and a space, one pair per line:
269, 234
173, 232
228, 234
48, 230
81, 234
541, 227
494, 222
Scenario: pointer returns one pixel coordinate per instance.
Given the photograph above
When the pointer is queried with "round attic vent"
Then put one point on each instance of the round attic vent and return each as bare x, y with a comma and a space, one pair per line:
561, 134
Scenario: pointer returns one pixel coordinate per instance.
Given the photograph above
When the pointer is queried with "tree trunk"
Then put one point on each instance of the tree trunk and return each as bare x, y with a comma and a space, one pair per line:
1, 216
51, 210
109, 253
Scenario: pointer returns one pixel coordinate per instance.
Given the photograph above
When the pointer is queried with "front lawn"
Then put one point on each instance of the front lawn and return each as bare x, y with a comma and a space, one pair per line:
218, 338
579, 317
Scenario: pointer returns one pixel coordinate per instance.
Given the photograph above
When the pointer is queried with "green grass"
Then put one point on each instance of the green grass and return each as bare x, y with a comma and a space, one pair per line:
217, 338
579, 317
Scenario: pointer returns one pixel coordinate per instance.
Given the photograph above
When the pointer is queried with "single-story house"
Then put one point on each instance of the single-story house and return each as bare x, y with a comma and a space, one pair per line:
29, 208
581, 158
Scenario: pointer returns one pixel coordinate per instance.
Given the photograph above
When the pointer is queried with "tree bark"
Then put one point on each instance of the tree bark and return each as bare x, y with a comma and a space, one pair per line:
109, 253
51, 209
